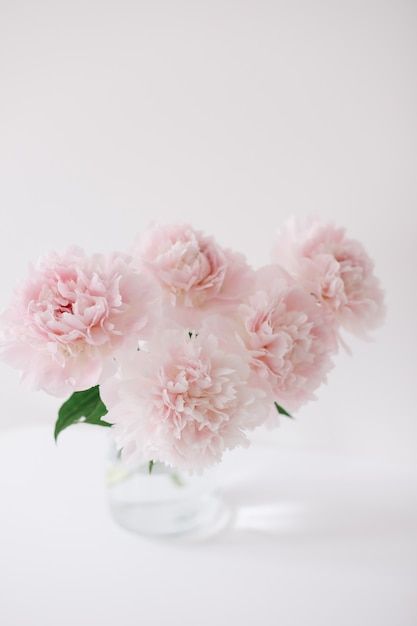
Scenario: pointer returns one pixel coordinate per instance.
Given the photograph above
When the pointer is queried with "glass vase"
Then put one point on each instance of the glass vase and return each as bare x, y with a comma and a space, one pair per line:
163, 502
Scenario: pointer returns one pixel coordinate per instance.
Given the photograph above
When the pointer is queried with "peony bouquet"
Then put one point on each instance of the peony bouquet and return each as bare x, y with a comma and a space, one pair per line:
179, 345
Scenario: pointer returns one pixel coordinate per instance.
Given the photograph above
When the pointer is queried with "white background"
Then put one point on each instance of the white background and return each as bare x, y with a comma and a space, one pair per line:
232, 116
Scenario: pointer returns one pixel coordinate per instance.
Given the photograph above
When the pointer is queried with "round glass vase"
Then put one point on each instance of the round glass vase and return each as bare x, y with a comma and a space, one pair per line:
163, 502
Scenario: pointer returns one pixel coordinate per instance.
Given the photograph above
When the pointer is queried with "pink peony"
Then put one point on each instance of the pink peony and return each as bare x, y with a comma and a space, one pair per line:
197, 275
182, 400
290, 345
66, 321
336, 270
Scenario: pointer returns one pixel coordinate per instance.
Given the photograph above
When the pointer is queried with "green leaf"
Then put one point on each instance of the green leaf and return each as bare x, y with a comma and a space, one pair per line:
83, 406
282, 411
151, 464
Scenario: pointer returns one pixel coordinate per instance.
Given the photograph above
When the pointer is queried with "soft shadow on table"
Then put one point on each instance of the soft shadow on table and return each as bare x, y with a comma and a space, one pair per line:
256, 516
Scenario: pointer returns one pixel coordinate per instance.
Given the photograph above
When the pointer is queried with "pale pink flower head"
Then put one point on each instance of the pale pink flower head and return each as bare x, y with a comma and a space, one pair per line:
72, 313
336, 270
184, 400
196, 274
289, 343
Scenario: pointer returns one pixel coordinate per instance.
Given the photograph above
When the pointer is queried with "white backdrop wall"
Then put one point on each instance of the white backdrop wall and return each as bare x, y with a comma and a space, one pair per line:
232, 116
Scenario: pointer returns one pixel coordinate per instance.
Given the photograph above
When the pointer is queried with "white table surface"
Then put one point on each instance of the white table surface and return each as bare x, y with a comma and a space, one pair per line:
316, 539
